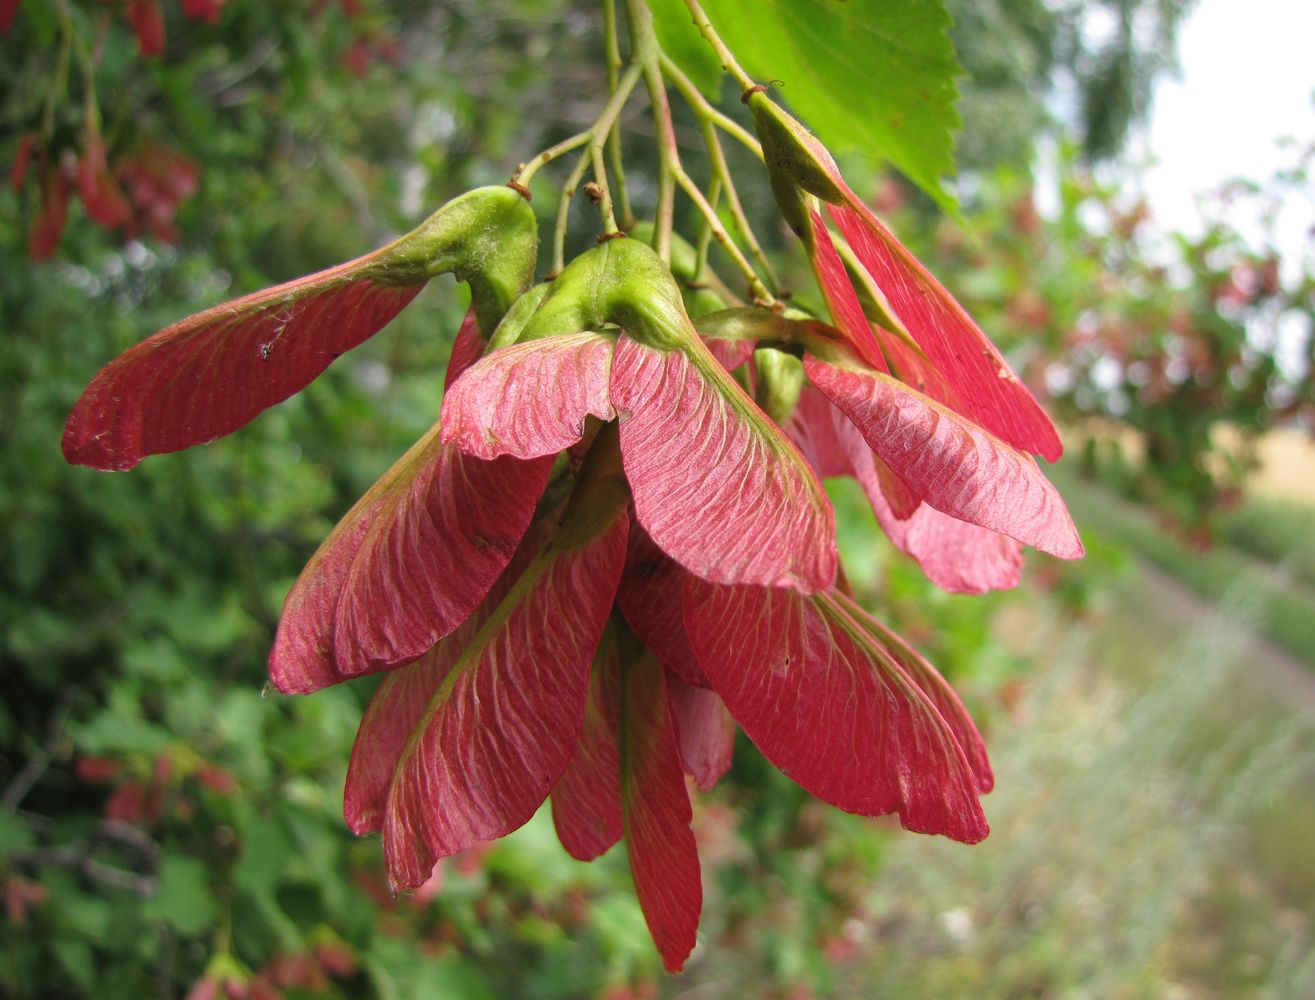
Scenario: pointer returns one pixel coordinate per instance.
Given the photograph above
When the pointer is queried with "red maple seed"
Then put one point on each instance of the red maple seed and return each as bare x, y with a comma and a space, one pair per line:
148, 21
8, 8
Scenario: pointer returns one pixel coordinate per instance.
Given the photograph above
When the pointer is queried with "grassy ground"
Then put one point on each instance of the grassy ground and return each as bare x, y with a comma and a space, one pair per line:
1268, 554
1151, 826
1153, 816
1279, 531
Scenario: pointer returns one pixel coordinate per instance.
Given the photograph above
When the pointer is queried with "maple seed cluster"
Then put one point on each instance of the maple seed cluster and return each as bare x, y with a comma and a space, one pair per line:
614, 546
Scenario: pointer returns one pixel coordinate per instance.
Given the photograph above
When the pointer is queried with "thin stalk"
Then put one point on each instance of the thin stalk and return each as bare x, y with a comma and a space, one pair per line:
668, 165
613, 57
724, 54
528, 170
596, 132
593, 139
646, 53
760, 293
563, 216
604, 193
705, 231
721, 171
708, 121
705, 111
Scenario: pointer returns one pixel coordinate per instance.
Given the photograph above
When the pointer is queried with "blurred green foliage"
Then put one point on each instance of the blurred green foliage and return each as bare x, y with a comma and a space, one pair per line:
1281, 600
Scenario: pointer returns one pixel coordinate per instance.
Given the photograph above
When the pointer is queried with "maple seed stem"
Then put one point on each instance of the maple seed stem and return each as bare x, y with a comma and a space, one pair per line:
613, 55
704, 110
523, 175
668, 165
705, 233
604, 199
564, 215
724, 54
722, 172
758, 290
647, 53
709, 120
595, 138
595, 133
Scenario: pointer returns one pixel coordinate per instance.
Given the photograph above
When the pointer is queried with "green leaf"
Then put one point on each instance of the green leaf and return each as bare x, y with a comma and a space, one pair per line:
871, 75
184, 899
120, 729
76, 958
76, 914
683, 42
14, 834
397, 971
266, 852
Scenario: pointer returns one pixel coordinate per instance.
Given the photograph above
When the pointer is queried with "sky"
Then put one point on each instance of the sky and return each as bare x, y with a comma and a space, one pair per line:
1248, 78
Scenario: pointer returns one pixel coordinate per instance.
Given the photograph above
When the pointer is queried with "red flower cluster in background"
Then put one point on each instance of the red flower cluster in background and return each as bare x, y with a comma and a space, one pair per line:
139, 194
8, 8
145, 17
204, 10
157, 180
143, 792
147, 20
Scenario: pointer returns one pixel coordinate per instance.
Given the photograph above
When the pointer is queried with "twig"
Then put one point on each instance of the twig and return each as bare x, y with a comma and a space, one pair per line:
77, 857
37, 764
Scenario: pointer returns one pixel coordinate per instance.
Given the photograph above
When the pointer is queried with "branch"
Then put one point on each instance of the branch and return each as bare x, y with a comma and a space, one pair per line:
37, 764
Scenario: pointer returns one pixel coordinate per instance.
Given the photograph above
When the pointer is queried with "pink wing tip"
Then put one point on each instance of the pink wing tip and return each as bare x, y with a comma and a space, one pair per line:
93, 453
290, 678
98, 439
1061, 540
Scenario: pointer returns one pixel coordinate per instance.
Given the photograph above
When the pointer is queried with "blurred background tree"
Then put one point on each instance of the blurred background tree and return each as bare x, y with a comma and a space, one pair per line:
1081, 68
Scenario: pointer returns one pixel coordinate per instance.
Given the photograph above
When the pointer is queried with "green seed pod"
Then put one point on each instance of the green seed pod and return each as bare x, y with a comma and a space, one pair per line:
619, 283
488, 237
513, 323
792, 151
780, 380
699, 299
